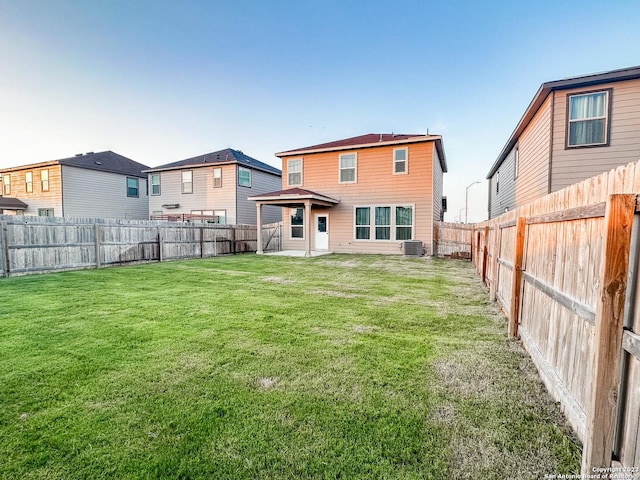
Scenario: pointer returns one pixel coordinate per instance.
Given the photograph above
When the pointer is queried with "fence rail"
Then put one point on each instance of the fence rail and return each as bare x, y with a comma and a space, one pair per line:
565, 270
38, 244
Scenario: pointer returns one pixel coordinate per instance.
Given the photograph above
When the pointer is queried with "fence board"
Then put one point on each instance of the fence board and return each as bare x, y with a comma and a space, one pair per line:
42, 244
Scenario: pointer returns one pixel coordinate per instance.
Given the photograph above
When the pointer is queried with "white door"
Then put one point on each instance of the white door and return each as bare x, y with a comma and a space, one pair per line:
322, 232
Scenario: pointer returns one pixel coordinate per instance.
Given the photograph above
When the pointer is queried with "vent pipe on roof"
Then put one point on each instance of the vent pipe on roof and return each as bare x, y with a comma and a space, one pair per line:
89, 153
78, 154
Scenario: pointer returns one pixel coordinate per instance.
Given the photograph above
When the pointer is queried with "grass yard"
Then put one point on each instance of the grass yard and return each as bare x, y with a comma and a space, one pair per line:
258, 367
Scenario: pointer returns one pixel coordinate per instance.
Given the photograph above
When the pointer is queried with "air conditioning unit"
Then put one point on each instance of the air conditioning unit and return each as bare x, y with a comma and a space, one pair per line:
413, 248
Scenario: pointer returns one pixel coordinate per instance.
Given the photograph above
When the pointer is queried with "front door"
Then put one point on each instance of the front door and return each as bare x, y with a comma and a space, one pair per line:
322, 232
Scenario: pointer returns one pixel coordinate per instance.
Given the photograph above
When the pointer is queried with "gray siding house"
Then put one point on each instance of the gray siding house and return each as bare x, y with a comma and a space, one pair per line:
212, 187
103, 184
573, 129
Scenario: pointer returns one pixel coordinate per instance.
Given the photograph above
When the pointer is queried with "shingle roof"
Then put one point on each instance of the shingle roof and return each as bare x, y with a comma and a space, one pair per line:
371, 140
228, 155
106, 162
11, 203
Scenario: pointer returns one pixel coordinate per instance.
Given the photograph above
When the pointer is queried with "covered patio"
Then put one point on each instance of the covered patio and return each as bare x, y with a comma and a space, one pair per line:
293, 198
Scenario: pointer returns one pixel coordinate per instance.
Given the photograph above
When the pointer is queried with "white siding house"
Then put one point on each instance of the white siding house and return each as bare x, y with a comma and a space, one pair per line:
214, 186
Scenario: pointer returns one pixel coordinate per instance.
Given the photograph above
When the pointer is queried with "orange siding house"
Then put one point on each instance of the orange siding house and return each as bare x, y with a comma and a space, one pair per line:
366, 194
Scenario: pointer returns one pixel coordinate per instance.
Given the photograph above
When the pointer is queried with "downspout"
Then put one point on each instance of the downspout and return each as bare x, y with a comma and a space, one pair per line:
61, 188
552, 114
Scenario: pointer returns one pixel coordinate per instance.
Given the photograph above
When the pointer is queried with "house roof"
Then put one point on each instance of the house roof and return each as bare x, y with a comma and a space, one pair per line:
545, 89
371, 140
10, 203
108, 161
221, 157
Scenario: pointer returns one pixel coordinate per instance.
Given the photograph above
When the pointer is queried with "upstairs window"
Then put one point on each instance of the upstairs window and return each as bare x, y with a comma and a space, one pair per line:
28, 182
294, 172
217, 177
187, 181
400, 160
6, 184
348, 168
588, 119
497, 182
44, 180
244, 177
154, 178
132, 187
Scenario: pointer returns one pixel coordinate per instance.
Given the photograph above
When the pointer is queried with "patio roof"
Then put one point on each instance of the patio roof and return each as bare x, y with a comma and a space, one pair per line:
294, 197
9, 203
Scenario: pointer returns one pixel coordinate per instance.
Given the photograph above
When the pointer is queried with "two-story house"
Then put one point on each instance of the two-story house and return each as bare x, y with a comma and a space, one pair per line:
573, 129
103, 184
366, 194
213, 187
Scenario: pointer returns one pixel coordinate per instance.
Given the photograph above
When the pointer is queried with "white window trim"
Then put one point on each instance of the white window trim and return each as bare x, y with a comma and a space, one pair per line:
42, 181
217, 169
137, 180
291, 237
372, 222
607, 99
240, 168
516, 163
28, 184
151, 184
355, 168
182, 182
301, 159
406, 161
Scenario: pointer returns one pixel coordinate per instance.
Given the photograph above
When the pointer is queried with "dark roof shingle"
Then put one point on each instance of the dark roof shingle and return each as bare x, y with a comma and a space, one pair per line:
106, 162
228, 155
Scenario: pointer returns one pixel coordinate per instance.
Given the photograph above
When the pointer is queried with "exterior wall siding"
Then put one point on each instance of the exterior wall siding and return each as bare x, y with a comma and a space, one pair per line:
261, 182
38, 199
534, 150
376, 185
504, 198
107, 193
204, 196
572, 165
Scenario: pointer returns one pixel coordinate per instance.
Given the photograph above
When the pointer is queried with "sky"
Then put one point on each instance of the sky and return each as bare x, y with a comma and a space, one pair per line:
160, 81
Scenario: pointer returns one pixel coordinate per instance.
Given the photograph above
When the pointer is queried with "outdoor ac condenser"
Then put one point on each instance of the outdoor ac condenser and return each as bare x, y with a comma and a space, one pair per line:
412, 248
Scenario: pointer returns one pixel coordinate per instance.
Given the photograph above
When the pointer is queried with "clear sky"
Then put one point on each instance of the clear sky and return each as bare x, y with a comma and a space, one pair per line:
159, 81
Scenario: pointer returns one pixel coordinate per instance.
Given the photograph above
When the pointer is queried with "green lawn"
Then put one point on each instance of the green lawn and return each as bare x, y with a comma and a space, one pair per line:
263, 367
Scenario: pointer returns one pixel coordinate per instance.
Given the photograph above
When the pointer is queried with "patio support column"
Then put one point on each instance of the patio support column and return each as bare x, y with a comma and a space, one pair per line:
307, 228
259, 228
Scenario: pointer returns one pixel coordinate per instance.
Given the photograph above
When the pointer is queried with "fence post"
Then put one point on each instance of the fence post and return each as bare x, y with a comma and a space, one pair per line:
497, 240
97, 234
201, 242
516, 280
5, 247
233, 240
607, 347
159, 243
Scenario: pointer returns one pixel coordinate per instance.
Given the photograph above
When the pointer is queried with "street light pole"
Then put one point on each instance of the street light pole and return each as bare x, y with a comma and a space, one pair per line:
466, 202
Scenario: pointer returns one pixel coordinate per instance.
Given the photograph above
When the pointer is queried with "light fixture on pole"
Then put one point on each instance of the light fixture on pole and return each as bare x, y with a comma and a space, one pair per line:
466, 202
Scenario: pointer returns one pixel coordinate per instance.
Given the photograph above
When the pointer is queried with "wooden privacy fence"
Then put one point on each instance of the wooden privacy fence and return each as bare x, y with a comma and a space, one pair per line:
452, 240
565, 271
44, 244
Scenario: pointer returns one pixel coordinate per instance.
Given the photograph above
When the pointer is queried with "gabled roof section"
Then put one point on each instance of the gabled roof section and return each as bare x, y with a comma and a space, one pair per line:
108, 161
11, 203
221, 157
630, 73
295, 196
371, 140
